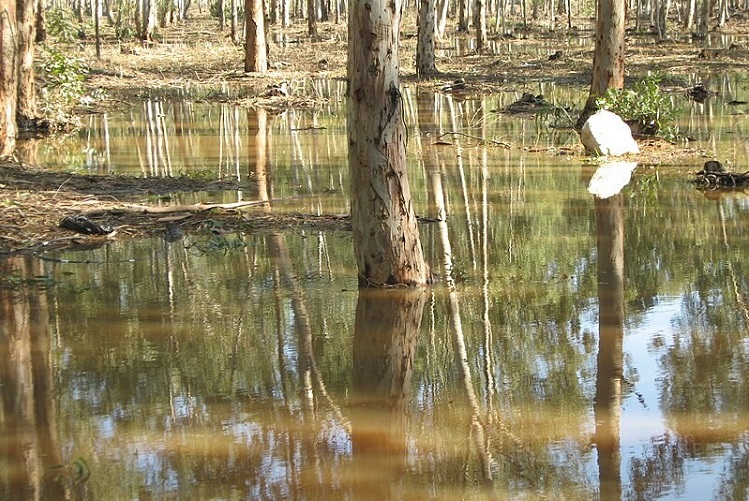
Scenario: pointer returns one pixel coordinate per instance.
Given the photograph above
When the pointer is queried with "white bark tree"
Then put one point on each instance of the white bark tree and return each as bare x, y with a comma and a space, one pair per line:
387, 245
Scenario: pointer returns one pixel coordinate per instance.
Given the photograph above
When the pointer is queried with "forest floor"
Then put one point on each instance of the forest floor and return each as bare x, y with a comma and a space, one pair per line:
196, 57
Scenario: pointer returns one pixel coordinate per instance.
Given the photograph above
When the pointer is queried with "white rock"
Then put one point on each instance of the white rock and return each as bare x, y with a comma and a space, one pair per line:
610, 178
605, 133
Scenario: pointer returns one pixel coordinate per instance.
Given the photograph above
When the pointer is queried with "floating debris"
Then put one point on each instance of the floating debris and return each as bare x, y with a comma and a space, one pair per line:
457, 86
82, 224
699, 93
529, 103
714, 176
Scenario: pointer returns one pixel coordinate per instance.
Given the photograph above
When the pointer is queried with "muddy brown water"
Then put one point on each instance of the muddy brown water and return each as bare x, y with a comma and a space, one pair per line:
575, 347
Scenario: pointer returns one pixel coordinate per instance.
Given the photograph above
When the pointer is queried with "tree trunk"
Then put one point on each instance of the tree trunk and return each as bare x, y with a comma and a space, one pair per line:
480, 24
234, 22
26, 111
663, 9
608, 58
385, 230
221, 15
8, 76
40, 33
463, 16
312, 18
149, 19
256, 47
425, 64
704, 18
442, 18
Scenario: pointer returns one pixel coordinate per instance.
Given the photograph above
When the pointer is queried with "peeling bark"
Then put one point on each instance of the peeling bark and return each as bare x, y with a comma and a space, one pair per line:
8, 76
386, 234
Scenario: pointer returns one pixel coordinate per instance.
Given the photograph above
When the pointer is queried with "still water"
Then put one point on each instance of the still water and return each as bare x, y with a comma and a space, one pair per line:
575, 347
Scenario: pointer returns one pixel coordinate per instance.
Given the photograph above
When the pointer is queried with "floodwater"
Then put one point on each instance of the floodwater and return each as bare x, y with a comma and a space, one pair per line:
575, 347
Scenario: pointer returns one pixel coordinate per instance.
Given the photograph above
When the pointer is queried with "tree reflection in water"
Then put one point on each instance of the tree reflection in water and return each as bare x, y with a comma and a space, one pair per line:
386, 331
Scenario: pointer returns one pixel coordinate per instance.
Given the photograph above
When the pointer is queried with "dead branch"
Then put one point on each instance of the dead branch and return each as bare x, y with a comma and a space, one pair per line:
480, 139
171, 209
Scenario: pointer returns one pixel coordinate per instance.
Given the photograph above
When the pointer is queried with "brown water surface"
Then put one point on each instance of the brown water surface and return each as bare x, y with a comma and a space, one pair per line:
574, 348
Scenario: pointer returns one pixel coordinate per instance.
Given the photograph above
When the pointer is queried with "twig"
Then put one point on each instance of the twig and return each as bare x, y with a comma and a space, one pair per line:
480, 139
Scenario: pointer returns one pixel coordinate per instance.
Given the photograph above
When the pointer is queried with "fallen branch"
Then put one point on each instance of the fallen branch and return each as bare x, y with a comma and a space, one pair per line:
170, 209
480, 139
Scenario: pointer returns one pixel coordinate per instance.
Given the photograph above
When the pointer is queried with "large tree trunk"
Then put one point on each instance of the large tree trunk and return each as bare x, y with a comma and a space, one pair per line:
608, 58
8, 76
386, 233
256, 46
425, 64
26, 112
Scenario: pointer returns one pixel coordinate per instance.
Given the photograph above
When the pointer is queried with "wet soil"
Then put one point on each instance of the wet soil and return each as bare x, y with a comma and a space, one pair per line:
194, 60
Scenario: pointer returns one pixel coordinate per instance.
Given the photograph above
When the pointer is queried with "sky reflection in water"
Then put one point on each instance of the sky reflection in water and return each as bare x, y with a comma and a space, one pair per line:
257, 371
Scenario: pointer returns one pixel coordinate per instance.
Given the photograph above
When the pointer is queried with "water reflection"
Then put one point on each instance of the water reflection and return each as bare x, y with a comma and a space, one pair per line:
607, 409
386, 330
563, 354
31, 450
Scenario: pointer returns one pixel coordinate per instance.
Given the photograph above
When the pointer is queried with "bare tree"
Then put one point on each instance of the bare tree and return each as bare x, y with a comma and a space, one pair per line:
385, 230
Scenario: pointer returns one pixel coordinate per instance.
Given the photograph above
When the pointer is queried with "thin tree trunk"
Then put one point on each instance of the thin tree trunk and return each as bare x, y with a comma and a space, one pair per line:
386, 238
8, 76
463, 16
97, 26
149, 19
663, 9
444, 5
480, 24
312, 18
41, 22
221, 15
234, 22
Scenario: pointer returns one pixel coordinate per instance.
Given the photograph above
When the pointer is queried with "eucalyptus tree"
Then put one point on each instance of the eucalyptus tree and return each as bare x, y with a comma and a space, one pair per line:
256, 45
387, 245
608, 56
425, 58
26, 113
8, 75
146, 15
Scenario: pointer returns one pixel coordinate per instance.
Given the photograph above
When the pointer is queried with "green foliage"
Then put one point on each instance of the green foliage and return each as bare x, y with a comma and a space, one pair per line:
644, 106
62, 25
63, 82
